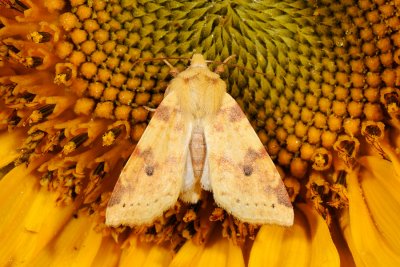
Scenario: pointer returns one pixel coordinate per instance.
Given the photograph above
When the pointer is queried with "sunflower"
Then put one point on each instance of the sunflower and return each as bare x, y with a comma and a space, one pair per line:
319, 81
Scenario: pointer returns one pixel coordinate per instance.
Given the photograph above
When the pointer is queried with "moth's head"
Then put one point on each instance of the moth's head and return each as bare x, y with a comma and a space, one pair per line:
198, 61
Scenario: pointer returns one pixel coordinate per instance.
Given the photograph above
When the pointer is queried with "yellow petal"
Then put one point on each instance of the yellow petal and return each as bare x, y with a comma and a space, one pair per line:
234, 255
381, 192
17, 189
365, 241
158, 256
219, 251
108, 254
145, 254
77, 245
393, 157
346, 258
323, 250
344, 222
187, 255
9, 142
30, 217
282, 246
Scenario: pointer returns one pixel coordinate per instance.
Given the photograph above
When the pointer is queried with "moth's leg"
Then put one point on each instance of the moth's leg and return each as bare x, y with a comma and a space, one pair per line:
174, 72
221, 67
149, 108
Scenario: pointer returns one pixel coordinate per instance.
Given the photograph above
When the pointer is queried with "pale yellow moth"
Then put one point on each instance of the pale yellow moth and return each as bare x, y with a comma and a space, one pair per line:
199, 138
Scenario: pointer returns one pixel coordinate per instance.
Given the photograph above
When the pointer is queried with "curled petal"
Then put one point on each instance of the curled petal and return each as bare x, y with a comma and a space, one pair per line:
323, 250
381, 192
368, 244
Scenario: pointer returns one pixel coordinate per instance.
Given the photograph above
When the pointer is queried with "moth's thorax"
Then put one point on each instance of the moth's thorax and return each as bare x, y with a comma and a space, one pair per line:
200, 91
198, 148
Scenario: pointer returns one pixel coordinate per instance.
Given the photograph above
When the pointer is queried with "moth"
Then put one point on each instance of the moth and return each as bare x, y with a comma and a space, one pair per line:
199, 139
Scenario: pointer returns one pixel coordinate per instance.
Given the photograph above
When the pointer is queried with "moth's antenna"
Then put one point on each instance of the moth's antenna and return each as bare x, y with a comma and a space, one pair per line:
174, 71
220, 67
159, 58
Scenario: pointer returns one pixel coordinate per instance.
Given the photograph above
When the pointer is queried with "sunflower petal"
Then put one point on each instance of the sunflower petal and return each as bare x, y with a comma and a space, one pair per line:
323, 250
345, 226
235, 256
145, 254
108, 254
220, 251
366, 242
381, 193
158, 256
281, 246
346, 258
77, 245
30, 217
8, 143
187, 255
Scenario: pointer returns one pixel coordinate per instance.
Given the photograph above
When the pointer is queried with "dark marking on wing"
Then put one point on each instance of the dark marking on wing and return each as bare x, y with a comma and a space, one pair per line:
147, 155
143, 153
119, 191
281, 194
162, 113
236, 114
247, 170
251, 155
249, 160
149, 170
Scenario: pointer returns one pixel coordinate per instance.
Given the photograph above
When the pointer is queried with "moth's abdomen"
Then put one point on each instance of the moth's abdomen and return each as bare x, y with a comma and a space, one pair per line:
198, 150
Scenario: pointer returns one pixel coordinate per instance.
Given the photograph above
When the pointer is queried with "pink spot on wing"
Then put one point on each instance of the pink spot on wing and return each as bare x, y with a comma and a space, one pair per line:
119, 191
262, 152
219, 127
236, 114
137, 151
280, 191
179, 127
162, 113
